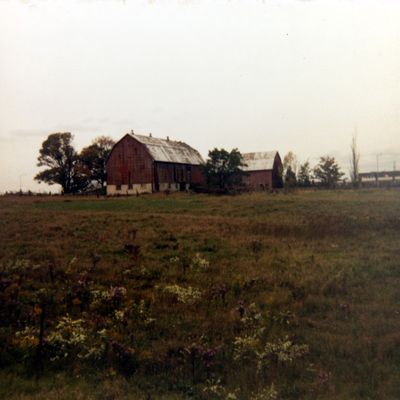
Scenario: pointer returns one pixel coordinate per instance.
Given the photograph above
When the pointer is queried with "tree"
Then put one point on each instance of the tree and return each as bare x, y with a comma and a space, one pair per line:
290, 177
93, 161
290, 165
328, 172
290, 160
354, 162
223, 169
58, 154
304, 175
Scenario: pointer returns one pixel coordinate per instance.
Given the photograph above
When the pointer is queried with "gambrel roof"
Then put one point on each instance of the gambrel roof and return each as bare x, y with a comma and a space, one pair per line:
165, 150
259, 161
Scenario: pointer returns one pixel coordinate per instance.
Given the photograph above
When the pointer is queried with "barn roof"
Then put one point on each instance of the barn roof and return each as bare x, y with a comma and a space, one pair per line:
170, 150
259, 161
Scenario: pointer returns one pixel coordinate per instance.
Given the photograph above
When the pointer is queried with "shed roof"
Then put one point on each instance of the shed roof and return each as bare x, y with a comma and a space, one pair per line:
170, 150
259, 161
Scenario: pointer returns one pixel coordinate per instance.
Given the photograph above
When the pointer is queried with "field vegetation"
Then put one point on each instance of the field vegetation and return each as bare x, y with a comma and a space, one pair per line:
257, 296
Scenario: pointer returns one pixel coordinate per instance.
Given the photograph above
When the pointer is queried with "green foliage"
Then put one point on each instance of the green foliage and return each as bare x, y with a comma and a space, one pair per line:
93, 160
328, 172
304, 175
59, 156
290, 177
223, 169
74, 172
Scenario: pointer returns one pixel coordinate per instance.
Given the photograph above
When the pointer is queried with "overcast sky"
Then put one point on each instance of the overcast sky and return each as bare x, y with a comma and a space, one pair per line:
257, 75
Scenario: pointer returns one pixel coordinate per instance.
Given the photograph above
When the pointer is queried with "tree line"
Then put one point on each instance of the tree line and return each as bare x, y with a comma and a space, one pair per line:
326, 173
85, 172
74, 172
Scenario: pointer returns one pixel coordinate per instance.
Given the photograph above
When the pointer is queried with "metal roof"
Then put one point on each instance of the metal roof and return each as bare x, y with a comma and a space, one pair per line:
259, 161
172, 151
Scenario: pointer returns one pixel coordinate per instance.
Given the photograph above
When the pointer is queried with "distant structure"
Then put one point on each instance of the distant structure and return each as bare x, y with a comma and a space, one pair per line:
264, 170
145, 164
382, 178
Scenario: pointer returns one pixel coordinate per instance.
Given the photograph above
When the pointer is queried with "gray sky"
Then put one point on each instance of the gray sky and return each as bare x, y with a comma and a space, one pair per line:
257, 75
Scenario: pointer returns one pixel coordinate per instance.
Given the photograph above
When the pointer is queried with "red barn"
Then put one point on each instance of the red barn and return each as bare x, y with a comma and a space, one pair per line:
264, 170
143, 164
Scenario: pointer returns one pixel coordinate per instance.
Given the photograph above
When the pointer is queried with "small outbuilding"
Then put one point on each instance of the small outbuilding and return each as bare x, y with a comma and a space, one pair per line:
263, 170
143, 164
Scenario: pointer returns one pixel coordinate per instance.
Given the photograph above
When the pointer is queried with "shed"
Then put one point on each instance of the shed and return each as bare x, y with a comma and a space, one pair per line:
263, 170
143, 164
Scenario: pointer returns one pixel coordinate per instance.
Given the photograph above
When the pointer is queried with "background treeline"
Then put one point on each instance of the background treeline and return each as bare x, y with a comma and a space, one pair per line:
84, 172
327, 173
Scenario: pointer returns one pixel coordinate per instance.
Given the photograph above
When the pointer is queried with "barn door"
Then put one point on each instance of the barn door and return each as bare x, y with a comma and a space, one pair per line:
156, 181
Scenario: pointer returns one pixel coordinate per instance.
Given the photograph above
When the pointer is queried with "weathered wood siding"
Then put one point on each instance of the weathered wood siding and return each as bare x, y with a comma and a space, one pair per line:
198, 177
131, 169
258, 180
129, 163
265, 179
173, 176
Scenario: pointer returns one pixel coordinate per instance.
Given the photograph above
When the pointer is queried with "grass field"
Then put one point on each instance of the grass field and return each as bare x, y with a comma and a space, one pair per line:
278, 296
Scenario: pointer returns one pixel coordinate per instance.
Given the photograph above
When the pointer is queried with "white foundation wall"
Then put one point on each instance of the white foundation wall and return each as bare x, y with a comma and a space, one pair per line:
172, 187
137, 188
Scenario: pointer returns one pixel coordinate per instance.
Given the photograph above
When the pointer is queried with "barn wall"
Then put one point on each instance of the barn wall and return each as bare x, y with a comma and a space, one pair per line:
197, 175
129, 168
170, 176
173, 173
258, 180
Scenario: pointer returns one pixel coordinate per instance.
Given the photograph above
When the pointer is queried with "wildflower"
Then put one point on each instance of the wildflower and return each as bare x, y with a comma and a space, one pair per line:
184, 295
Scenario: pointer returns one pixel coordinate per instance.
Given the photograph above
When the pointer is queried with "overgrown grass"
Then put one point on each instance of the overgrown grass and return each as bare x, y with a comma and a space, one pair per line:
317, 269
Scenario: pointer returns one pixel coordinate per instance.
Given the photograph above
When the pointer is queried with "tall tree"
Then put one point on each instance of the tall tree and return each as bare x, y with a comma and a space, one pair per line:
328, 172
93, 161
354, 162
61, 159
290, 160
304, 175
290, 177
223, 168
